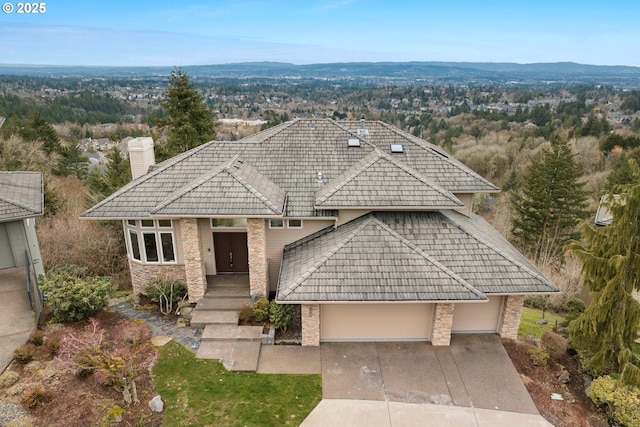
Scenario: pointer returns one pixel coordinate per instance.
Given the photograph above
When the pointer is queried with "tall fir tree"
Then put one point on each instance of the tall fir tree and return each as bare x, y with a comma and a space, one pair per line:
604, 334
117, 174
549, 203
190, 122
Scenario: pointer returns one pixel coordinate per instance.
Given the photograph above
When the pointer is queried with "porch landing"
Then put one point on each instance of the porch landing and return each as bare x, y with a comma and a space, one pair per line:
237, 347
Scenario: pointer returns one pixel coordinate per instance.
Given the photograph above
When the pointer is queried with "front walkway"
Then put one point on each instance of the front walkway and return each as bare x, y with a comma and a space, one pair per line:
17, 320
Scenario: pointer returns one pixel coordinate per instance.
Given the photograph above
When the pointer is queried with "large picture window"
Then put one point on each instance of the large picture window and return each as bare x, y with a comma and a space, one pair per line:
151, 241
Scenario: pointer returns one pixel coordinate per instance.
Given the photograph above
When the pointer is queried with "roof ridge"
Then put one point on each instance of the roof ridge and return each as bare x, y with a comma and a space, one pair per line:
241, 179
433, 148
363, 138
327, 255
144, 178
178, 193
497, 250
428, 257
18, 204
361, 164
277, 128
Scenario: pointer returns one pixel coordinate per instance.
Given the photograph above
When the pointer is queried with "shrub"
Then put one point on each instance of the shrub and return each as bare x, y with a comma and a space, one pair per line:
73, 295
556, 345
35, 396
539, 356
52, 344
8, 379
261, 310
280, 315
24, 354
622, 402
36, 338
245, 314
574, 306
166, 293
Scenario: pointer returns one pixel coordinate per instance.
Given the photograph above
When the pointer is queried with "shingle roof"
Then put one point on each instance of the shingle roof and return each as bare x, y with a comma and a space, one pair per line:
21, 195
232, 187
290, 155
406, 256
379, 181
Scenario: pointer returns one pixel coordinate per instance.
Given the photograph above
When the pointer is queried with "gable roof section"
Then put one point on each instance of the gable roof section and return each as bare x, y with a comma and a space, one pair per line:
366, 261
378, 181
429, 160
291, 156
232, 187
21, 195
401, 256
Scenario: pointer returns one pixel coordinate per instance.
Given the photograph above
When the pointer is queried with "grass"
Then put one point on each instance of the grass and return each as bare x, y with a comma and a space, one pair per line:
203, 393
529, 327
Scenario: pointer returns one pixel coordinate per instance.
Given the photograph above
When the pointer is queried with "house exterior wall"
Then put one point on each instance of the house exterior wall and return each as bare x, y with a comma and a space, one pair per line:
442, 322
277, 238
12, 251
196, 278
510, 319
467, 199
206, 242
142, 274
346, 215
258, 264
310, 324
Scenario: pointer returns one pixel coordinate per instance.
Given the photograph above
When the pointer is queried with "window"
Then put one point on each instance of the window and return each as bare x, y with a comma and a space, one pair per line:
229, 222
150, 247
168, 252
276, 223
135, 245
151, 241
294, 223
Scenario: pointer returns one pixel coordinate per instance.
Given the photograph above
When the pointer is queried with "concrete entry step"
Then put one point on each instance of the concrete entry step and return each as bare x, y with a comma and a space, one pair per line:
227, 292
231, 332
234, 355
223, 303
203, 317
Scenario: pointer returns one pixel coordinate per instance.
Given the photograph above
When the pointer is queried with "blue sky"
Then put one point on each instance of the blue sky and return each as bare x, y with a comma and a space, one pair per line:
180, 33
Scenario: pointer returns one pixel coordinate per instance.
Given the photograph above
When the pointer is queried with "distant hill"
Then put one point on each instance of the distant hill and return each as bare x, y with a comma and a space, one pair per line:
375, 73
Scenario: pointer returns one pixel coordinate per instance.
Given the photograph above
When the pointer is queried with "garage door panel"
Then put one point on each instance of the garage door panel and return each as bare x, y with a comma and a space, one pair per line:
477, 317
376, 322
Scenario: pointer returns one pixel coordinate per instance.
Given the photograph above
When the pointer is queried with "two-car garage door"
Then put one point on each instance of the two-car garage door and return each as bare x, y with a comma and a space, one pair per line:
403, 322
376, 322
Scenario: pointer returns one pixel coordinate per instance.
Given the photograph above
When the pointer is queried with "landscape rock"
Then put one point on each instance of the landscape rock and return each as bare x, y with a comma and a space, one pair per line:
8, 379
160, 340
156, 404
564, 376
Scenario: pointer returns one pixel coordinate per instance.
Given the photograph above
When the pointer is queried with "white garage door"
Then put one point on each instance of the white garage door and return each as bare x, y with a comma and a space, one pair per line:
376, 322
477, 317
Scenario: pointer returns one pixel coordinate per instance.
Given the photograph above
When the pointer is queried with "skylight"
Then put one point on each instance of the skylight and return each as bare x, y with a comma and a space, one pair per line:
353, 142
397, 148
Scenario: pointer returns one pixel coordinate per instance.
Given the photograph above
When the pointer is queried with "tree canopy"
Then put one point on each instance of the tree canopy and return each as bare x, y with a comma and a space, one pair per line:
190, 122
610, 256
549, 203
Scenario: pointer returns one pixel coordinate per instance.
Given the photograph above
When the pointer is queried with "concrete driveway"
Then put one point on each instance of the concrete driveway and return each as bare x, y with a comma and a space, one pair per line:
474, 371
17, 320
470, 383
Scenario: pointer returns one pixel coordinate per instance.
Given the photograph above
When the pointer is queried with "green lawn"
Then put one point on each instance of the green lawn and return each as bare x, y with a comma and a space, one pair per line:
528, 325
203, 393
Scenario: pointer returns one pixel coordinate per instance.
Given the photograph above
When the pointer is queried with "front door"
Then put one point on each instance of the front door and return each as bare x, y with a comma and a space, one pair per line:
232, 255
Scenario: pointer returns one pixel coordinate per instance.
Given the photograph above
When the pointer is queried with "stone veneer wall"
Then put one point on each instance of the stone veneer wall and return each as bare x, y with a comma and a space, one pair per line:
258, 271
510, 319
310, 324
442, 323
193, 261
142, 274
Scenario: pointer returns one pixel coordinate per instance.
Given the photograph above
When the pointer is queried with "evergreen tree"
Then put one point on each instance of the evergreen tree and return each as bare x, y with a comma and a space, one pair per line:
72, 162
190, 122
36, 128
610, 256
549, 203
117, 174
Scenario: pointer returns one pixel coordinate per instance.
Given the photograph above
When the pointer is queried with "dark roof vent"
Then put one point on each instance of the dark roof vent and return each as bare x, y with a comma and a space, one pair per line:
353, 142
397, 148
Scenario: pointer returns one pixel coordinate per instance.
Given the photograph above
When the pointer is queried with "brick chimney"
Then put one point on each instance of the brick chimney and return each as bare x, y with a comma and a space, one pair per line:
141, 155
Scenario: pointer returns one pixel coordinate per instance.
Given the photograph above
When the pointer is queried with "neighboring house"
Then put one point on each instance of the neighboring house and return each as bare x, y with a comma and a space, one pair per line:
368, 228
21, 200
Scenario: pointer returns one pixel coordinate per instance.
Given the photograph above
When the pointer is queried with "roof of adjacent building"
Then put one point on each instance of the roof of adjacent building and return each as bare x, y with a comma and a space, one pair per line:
21, 195
307, 160
406, 256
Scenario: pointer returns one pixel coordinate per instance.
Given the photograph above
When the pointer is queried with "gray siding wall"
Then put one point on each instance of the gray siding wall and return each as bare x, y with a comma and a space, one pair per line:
13, 243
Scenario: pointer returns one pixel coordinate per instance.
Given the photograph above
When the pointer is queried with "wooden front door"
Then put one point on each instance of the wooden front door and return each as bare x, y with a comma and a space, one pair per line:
232, 255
